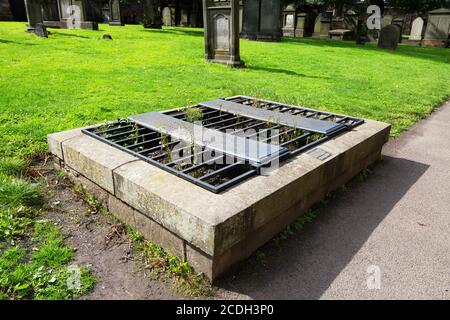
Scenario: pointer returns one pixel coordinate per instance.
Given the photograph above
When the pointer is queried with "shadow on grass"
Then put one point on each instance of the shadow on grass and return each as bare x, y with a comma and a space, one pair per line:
313, 258
68, 35
188, 32
283, 71
15, 42
428, 53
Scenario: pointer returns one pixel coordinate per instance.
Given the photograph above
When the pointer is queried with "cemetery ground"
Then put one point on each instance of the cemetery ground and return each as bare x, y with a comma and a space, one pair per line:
74, 78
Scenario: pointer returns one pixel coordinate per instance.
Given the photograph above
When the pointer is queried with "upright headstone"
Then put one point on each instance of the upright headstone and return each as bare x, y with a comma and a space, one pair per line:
386, 20
72, 14
389, 37
40, 30
184, 18
152, 14
300, 29
115, 13
322, 26
168, 16
221, 25
261, 20
416, 35
34, 14
399, 23
289, 16
438, 28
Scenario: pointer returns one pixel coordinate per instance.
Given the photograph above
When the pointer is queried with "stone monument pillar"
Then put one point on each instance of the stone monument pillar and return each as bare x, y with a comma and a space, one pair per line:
289, 16
438, 27
221, 24
115, 13
301, 25
152, 15
34, 14
261, 20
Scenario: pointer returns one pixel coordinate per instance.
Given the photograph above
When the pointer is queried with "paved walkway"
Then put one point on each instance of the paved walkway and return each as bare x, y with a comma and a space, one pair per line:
396, 222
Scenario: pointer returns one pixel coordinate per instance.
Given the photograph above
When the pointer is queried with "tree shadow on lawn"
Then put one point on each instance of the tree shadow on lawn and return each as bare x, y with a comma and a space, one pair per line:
312, 259
195, 33
69, 35
428, 53
284, 71
15, 42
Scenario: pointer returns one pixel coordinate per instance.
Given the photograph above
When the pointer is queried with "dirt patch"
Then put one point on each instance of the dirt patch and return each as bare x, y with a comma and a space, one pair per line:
99, 242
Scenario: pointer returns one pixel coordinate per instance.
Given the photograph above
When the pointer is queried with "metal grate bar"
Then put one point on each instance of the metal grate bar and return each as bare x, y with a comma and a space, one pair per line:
314, 125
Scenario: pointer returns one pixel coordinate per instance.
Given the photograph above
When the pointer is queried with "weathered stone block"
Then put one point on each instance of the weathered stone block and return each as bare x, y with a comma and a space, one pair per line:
94, 160
159, 235
55, 141
121, 211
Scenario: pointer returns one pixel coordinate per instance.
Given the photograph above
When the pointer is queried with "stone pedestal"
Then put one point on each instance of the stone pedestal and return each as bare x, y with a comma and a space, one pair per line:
289, 17
261, 20
322, 26
221, 24
34, 14
152, 15
438, 28
300, 29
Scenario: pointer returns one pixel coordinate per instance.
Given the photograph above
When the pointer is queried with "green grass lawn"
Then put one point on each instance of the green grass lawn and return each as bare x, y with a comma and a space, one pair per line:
74, 78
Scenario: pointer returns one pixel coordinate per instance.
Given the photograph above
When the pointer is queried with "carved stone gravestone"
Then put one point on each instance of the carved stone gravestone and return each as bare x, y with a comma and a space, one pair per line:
438, 28
386, 20
416, 35
389, 37
40, 30
115, 13
289, 15
300, 29
168, 16
399, 22
221, 25
322, 26
72, 14
34, 14
261, 20
152, 15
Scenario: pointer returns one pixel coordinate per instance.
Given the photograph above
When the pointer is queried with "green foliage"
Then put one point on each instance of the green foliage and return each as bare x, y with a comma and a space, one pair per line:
293, 228
42, 273
15, 192
163, 263
12, 166
163, 69
13, 222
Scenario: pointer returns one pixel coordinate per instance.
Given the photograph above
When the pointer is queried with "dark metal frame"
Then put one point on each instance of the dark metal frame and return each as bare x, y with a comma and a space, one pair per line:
218, 120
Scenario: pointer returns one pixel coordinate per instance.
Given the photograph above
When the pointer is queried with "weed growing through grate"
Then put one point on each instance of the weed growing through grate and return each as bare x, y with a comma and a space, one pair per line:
193, 114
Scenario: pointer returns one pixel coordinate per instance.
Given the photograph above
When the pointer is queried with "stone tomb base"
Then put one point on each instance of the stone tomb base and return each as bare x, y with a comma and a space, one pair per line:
213, 231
